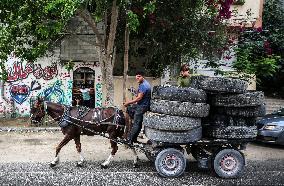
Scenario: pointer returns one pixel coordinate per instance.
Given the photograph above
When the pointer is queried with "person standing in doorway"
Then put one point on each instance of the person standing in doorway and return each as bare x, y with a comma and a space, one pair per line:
86, 96
139, 106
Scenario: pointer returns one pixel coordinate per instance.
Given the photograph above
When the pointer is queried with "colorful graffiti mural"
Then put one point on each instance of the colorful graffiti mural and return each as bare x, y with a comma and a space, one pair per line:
69, 92
18, 72
54, 93
35, 85
99, 93
27, 80
19, 93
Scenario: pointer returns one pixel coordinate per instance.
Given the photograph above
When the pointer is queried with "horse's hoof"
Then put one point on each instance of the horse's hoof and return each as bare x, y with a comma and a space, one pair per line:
135, 165
104, 166
52, 165
79, 165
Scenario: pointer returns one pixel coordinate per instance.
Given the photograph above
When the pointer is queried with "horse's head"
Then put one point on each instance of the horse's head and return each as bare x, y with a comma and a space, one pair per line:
37, 111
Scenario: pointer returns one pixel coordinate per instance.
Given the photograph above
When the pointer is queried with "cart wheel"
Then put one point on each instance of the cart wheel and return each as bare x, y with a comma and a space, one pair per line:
170, 163
228, 163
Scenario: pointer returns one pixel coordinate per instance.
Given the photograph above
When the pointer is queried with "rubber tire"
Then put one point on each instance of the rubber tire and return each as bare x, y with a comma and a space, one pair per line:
181, 137
257, 111
178, 108
219, 120
248, 99
170, 123
219, 84
167, 171
175, 93
231, 132
228, 155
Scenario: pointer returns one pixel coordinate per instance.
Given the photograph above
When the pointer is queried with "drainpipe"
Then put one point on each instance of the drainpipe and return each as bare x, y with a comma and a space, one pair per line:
5, 106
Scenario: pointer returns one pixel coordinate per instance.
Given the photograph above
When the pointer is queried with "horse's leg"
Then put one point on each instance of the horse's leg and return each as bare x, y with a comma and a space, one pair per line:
79, 150
114, 150
65, 140
135, 160
127, 126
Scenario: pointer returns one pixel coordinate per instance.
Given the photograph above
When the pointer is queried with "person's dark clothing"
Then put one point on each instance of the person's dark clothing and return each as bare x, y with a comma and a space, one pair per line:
137, 111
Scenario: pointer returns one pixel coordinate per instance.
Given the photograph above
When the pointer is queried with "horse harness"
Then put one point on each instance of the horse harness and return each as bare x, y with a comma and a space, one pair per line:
97, 117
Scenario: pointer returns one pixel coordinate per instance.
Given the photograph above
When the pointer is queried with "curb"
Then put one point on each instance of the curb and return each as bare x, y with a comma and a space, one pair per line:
30, 129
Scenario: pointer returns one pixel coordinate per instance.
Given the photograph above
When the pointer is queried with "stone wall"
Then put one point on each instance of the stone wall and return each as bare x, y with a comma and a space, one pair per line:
79, 44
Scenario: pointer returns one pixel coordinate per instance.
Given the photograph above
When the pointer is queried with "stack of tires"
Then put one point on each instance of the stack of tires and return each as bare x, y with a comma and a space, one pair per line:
175, 114
233, 109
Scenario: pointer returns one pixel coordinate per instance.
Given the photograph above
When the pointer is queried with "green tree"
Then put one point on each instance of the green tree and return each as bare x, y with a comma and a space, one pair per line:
260, 51
179, 31
30, 27
273, 17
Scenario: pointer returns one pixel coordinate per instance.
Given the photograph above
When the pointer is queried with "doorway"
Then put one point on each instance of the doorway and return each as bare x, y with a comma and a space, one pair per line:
83, 77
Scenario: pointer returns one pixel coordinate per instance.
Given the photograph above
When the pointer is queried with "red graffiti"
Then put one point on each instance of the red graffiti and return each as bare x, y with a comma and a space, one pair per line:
49, 72
17, 72
38, 72
20, 90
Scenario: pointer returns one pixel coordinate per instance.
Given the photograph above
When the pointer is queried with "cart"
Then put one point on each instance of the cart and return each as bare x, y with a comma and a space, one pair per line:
222, 156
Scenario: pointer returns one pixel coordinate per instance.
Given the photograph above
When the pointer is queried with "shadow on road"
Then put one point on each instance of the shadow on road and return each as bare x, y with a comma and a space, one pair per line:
269, 145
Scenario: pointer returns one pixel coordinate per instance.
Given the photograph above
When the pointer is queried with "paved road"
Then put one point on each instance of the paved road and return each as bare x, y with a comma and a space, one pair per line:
122, 173
24, 160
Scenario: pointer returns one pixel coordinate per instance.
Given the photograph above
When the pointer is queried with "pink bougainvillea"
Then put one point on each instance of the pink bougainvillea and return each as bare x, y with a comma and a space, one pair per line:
224, 10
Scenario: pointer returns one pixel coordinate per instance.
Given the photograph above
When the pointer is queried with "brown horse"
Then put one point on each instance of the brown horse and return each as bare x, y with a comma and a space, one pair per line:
75, 121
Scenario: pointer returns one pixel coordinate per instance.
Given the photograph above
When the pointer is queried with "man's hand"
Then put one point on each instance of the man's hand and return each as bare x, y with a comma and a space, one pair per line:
138, 98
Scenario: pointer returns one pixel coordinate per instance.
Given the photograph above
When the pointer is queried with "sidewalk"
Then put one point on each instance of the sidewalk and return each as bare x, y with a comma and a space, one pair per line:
24, 125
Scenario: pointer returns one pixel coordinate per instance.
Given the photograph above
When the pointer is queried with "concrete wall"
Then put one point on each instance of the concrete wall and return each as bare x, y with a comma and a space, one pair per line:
41, 78
255, 7
131, 82
80, 44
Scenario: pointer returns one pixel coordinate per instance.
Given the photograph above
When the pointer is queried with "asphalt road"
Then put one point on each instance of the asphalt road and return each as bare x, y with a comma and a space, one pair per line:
24, 160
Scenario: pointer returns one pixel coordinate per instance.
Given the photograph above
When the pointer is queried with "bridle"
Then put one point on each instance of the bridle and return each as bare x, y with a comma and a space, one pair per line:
42, 110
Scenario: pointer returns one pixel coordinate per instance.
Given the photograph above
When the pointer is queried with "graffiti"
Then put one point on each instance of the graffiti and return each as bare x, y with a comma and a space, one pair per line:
54, 93
19, 93
18, 72
35, 85
69, 92
99, 95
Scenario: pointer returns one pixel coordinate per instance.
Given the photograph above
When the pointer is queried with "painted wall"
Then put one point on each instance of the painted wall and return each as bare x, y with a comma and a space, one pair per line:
130, 84
45, 78
98, 79
27, 80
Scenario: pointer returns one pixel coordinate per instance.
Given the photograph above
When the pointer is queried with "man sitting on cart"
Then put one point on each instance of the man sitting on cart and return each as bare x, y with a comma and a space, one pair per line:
138, 106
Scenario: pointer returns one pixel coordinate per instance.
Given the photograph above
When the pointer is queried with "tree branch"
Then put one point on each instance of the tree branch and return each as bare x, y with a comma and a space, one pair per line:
83, 13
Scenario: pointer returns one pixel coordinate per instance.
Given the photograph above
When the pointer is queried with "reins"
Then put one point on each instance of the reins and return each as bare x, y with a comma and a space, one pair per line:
141, 147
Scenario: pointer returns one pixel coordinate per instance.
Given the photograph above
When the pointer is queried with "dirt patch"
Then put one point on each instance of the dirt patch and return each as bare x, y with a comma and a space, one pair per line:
15, 122
26, 122
33, 141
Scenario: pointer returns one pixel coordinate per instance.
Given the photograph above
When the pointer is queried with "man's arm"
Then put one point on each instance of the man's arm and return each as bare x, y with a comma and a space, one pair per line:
138, 98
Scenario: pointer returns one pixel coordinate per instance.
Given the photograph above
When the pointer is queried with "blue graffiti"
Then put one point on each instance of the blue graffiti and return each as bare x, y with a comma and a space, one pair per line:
54, 93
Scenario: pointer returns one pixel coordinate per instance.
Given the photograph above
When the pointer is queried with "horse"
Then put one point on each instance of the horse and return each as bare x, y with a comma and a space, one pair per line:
75, 121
